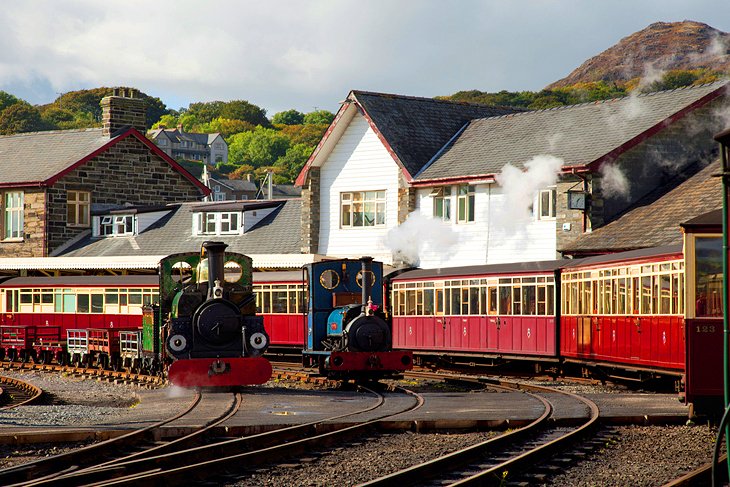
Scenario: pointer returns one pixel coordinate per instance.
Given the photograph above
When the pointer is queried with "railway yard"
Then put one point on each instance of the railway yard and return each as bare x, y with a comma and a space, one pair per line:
425, 428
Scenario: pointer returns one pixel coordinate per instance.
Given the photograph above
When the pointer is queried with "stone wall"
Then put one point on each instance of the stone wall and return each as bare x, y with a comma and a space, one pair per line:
34, 217
310, 212
406, 199
123, 109
128, 172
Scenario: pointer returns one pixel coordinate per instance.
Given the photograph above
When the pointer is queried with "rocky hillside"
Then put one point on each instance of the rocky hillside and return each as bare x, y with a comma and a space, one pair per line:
660, 47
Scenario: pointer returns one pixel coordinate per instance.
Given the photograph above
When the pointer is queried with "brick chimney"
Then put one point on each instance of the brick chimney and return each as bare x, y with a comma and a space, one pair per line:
122, 110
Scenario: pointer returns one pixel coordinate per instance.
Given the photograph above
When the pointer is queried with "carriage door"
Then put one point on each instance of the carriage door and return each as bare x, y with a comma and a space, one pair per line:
491, 335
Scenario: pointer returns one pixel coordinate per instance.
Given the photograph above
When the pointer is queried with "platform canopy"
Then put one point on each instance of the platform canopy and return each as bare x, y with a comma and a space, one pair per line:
139, 262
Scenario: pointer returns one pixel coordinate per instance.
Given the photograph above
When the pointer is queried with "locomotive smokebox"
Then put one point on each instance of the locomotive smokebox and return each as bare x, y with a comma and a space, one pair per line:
366, 271
216, 252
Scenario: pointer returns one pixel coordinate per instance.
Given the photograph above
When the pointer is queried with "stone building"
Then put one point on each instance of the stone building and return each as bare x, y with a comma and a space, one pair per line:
53, 181
389, 159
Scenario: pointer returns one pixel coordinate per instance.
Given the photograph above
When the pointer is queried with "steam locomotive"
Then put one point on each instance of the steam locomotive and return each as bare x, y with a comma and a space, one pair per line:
347, 330
209, 325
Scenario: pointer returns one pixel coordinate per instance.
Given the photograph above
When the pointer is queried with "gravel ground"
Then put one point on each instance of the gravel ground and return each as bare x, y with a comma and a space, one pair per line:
636, 456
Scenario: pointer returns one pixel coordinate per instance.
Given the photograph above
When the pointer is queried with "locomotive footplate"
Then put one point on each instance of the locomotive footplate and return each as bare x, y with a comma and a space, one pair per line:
223, 372
372, 361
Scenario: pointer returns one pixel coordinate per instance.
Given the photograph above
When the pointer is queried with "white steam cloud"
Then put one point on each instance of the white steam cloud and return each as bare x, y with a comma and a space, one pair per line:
419, 234
520, 188
614, 181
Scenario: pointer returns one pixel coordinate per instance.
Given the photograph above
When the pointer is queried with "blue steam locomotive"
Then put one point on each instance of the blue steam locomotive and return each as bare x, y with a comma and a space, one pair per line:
348, 333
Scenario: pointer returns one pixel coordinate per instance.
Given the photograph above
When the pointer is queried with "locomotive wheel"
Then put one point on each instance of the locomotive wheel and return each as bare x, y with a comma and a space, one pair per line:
76, 360
45, 357
25, 356
12, 354
62, 358
117, 364
2, 354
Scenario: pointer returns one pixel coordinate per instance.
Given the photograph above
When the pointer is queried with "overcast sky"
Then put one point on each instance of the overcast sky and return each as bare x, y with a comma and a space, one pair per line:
309, 54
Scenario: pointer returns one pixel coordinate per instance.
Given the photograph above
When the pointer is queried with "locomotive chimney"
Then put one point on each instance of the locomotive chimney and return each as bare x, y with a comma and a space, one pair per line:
367, 265
216, 256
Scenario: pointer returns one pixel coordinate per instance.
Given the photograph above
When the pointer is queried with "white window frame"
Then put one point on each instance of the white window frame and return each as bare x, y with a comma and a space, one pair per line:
351, 200
217, 223
114, 226
13, 215
78, 209
442, 203
542, 212
465, 196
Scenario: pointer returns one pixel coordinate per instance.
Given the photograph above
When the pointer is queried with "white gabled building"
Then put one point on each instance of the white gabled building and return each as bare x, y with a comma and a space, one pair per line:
386, 157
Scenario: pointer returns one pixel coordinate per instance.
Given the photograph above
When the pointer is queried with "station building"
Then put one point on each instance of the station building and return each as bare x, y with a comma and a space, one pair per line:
386, 158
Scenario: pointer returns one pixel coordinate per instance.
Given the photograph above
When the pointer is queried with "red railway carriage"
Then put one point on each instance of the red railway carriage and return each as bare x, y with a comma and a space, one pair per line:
627, 309
49, 310
492, 310
281, 300
704, 313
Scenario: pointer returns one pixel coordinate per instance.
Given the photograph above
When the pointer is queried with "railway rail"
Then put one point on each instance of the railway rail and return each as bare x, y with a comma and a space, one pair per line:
489, 462
183, 465
91, 372
15, 392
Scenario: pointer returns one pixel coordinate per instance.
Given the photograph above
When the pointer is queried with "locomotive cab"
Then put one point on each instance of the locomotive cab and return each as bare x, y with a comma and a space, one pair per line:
347, 332
213, 335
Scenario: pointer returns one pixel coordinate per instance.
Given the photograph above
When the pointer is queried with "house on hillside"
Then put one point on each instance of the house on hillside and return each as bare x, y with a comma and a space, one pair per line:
386, 157
189, 146
223, 189
54, 181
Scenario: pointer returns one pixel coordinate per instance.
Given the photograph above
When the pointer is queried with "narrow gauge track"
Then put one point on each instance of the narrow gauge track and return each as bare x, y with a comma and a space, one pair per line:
15, 392
49, 467
91, 372
513, 453
185, 466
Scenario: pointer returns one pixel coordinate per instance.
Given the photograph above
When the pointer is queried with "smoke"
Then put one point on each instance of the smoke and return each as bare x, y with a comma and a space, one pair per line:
614, 181
419, 234
520, 188
176, 391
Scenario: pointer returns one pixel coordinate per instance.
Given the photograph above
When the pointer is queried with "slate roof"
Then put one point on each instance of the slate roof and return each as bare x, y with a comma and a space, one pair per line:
38, 156
177, 135
578, 134
278, 233
655, 223
416, 128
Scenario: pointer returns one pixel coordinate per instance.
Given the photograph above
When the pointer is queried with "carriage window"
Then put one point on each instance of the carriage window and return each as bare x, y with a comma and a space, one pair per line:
708, 277
135, 296
492, 291
646, 295
505, 300
279, 300
411, 302
329, 279
516, 300
440, 301
528, 300
82, 303
428, 305
97, 303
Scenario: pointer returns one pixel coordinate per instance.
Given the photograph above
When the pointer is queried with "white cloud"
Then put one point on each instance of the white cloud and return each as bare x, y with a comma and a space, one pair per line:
298, 54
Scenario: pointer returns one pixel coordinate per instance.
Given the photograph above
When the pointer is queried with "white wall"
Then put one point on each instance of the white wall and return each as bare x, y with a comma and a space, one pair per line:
486, 240
359, 162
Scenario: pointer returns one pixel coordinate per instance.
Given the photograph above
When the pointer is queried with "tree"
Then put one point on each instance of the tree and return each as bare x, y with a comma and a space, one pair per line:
225, 126
260, 147
241, 172
6, 99
292, 162
319, 117
166, 122
243, 110
304, 134
204, 112
288, 117
20, 117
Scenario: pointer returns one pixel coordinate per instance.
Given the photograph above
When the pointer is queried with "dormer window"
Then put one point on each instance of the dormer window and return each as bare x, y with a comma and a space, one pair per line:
113, 225
217, 223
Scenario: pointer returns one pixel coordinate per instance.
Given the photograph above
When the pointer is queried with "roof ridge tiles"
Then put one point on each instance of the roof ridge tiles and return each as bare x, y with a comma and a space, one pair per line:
430, 99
